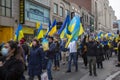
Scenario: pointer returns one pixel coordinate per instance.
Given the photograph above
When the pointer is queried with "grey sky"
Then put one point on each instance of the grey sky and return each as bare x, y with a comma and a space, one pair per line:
116, 6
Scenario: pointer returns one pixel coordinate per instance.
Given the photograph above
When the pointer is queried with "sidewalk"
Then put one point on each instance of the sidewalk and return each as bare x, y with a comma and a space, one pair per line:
117, 77
109, 69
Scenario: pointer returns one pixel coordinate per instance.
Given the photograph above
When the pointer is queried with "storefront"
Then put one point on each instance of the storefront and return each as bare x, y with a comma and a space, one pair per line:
35, 12
6, 33
29, 33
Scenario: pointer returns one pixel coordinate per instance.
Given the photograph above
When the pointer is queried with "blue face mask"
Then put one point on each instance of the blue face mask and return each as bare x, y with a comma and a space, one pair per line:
98, 46
4, 51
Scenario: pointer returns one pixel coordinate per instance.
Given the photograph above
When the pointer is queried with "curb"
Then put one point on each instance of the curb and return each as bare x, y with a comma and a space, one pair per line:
113, 76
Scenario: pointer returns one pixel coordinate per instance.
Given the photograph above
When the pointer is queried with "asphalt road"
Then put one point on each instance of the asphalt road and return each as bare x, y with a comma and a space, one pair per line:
83, 73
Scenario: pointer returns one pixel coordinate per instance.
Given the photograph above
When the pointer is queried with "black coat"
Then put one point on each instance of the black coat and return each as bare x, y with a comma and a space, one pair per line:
99, 53
51, 51
35, 61
12, 69
91, 49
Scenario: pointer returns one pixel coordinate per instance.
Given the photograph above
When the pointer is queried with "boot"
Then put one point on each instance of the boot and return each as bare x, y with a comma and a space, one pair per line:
54, 68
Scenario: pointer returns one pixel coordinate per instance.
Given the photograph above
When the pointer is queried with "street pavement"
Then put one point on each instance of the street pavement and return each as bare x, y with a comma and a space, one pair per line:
83, 73
116, 77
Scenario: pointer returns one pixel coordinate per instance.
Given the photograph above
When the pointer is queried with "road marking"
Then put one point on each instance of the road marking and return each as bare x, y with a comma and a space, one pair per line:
113, 76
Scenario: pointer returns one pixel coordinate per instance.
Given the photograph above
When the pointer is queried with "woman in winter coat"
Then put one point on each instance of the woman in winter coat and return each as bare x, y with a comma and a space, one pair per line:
35, 60
12, 62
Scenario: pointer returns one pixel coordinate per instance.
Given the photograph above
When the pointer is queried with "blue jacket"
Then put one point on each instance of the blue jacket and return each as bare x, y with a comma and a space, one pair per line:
62, 47
35, 61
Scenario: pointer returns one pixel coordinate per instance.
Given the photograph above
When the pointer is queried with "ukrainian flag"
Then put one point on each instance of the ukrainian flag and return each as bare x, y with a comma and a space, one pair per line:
81, 29
40, 32
65, 23
37, 25
64, 29
99, 36
19, 33
75, 29
53, 30
45, 44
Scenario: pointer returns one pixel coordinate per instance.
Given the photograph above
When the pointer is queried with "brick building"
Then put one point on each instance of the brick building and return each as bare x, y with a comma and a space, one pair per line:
83, 3
86, 14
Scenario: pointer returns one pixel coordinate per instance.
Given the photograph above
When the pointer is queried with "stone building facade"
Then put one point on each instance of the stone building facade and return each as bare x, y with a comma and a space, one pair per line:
104, 15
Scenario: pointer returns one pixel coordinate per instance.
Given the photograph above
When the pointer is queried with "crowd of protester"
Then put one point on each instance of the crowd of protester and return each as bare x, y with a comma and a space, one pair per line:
17, 57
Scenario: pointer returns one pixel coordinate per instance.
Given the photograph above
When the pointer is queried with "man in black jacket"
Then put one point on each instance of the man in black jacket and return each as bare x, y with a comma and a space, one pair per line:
50, 56
91, 54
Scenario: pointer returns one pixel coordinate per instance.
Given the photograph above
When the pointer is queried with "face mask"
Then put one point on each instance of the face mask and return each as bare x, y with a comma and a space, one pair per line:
4, 51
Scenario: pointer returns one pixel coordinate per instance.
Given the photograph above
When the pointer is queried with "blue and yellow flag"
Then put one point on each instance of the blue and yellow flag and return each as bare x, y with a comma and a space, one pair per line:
40, 32
53, 29
75, 29
37, 25
65, 32
81, 29
65, 23
45, 44
19, 33
99, 36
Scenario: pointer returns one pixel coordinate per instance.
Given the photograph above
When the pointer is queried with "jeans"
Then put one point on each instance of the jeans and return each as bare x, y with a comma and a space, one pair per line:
74, 57
49, 66
56, 60
32, 77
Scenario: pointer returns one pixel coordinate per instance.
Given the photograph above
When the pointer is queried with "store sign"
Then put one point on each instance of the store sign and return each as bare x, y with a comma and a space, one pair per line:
22, 13
35, 14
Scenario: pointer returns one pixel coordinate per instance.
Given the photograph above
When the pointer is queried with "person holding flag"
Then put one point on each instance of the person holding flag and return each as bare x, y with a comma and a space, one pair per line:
50, 56
73, 55
75, 29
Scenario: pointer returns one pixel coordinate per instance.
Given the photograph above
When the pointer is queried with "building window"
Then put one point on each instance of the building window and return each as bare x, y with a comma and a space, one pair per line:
67, 12
61, 11
55, 8
6, 8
